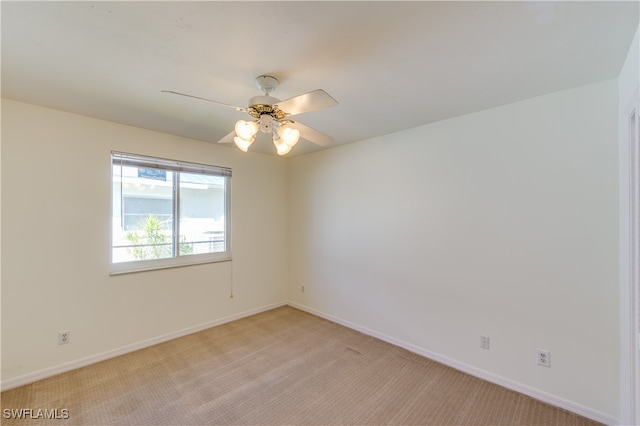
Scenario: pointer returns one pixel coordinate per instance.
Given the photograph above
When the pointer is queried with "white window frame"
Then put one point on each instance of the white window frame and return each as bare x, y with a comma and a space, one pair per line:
126, 159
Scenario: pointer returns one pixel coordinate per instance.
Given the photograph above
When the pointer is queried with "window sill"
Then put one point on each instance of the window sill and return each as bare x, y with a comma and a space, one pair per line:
157, 264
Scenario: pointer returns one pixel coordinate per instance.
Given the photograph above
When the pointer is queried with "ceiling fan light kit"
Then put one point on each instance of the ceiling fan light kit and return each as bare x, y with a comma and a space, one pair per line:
246, 129
289, 135
243, 144
272, 116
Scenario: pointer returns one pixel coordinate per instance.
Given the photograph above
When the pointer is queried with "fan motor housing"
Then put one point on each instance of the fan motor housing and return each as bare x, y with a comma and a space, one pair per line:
259, 105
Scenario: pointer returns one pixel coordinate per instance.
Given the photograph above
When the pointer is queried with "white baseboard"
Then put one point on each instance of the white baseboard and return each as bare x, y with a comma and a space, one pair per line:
474, 371
62, 368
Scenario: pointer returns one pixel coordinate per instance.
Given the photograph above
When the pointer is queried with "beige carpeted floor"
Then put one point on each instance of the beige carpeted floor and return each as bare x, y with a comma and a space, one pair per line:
278, 367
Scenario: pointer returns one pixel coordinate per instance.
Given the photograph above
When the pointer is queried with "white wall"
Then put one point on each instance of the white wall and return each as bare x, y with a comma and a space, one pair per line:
55, 242
500, 223
630, 73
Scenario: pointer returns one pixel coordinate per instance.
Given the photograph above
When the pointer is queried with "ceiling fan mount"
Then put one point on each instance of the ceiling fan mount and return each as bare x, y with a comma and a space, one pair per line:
259, 105
267, 83
272, 116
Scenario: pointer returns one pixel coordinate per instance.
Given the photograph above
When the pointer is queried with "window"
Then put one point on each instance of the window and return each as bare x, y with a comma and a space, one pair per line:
167, 213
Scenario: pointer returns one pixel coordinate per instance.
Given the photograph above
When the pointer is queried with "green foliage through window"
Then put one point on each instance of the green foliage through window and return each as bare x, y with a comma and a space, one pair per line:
150, 242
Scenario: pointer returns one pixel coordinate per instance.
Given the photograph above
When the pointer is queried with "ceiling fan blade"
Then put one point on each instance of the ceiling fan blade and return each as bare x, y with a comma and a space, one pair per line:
237, 108
228, 138
312, 101
310, 134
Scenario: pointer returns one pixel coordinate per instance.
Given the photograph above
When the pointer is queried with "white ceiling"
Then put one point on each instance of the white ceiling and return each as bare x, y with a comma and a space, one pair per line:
390, 65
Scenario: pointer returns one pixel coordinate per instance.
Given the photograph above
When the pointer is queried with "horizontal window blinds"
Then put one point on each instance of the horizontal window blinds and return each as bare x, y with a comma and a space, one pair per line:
134, 160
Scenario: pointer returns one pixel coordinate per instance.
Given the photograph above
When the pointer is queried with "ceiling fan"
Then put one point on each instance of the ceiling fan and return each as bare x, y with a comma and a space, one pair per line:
271, 115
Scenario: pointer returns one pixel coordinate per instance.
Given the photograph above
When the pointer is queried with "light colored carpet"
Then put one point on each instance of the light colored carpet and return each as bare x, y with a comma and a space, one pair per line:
283, 366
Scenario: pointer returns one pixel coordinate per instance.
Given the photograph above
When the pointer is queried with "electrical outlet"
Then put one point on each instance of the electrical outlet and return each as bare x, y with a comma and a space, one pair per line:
484, 342
64, 337
543, 357
303, 289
